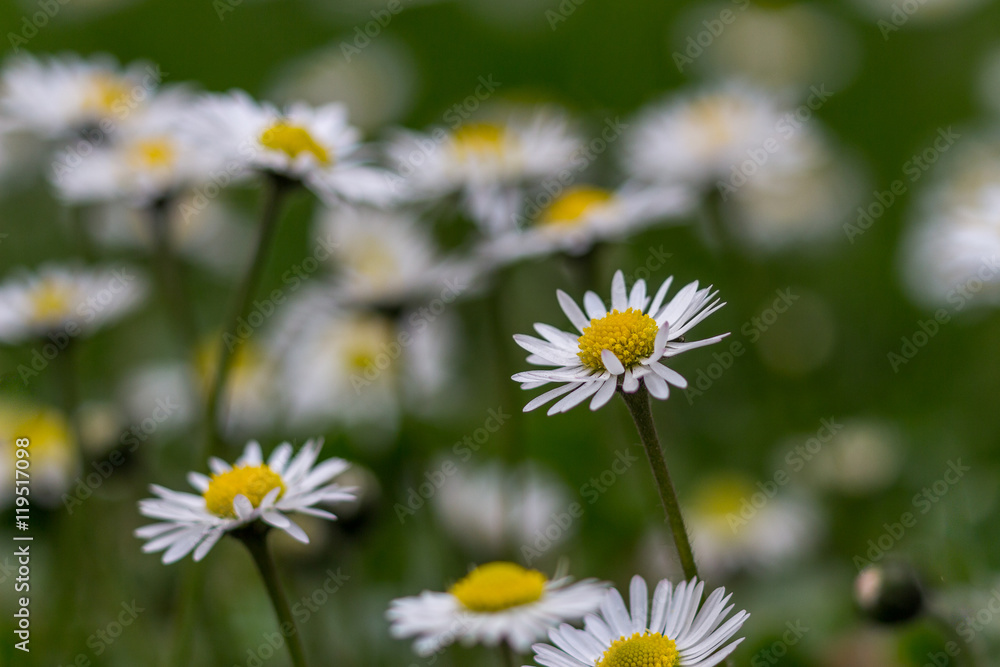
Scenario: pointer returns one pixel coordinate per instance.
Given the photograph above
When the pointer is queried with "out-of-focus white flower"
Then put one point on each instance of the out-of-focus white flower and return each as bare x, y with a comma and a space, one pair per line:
376, 85
52, 451
697, 138
785, 47
316, 146
496, 602
893, 15
861, 459
584, 215
57, 96
802, 194
161, 398
152, 157
251, 399
360, 368
74, 300
487, 162
489, 508
951, 253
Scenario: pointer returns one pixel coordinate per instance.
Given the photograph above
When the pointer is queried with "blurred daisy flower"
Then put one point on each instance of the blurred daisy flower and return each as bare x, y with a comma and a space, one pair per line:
487, 162
57, 96
617, 348
251, 395
316, 146
697, 138
69, 299
679, 630
239, 495
496, 602
52, 448
151, 158
583, 215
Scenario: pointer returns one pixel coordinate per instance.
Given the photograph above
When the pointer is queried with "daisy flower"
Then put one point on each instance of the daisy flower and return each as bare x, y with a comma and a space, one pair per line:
73, 300
239, 495
53, 451
56, 96
496, 602
316, 146
487, 162
677, 632
617, 348
584, 215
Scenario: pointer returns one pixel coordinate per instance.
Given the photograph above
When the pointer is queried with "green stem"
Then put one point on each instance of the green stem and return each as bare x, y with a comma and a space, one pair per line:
277, 187
169, 278
70, 398
254, 537
508, 655
192, 582
638, 406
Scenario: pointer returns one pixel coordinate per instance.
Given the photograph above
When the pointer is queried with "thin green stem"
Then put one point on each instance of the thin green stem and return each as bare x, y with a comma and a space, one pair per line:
638, 406
508, 655
189, 596
277, 187
254, 537
70, 397
168, 277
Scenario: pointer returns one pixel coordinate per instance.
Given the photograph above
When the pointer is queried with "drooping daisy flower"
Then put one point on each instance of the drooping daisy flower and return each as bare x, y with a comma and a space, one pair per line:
56, 96
583, 215
73, 300
316, 146
52, 451
617, 348
486, 162
238, 495
678, 631
496, 602
698, 138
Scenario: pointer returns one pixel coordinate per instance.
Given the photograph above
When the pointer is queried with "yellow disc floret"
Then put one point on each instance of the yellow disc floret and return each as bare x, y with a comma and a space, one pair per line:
650, 649
630, 335
51, 300
153, 153
497, 586
254, 482
478, 139
293, 140
573, 205
105, 91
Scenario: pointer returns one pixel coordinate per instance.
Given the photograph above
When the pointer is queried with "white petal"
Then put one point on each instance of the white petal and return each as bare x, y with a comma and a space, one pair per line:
242, 506
657, 386
611, 362
619, 298
594, 305
573, 312
604, 394
581, 394
549, 395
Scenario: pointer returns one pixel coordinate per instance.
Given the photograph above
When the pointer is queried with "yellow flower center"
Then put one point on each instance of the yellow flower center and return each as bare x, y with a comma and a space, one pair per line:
46, 429
105, 91
650, 649
474, 140
368, 338
630, 335
722, 496
497, 586
51, 300
572, 206
254, 482
153, 153
293, 140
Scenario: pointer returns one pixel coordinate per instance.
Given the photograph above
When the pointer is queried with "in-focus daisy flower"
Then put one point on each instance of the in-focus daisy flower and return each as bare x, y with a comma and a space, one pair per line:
496, 602
151, 158
620, 348
57, 96
74, 300
700, 137
584, 215
52, 451
679, 630
316, 146
238, 495
487, 162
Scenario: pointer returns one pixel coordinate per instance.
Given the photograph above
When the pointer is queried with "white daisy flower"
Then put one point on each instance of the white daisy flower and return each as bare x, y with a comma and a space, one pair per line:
73, 300
52, 448
584, 215
250, 396
486, 162
697, 138
496, 602
316, 146
57, 96
238, 495
152, 157
679, 631
617, 348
